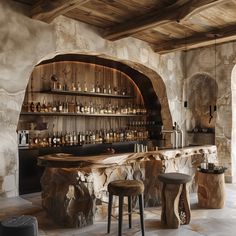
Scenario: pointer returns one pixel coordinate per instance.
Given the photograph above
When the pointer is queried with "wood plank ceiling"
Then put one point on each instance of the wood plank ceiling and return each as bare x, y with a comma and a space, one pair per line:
167, 26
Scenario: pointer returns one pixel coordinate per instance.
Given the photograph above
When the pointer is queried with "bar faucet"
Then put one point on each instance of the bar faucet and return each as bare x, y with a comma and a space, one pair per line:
176, 136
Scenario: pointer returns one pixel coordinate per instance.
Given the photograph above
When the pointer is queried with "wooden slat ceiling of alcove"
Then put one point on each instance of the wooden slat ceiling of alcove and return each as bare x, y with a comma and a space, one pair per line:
167, 26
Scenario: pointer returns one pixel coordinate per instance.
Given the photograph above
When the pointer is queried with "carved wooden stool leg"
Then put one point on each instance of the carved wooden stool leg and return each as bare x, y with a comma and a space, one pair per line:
184, 205
175, 199
171, 202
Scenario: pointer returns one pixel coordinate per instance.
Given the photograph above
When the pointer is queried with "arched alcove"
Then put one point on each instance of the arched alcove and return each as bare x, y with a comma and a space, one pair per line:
233, 132
150, 86
201, 95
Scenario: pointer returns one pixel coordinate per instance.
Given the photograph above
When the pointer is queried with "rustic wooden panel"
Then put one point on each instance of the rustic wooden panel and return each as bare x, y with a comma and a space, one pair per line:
84, 73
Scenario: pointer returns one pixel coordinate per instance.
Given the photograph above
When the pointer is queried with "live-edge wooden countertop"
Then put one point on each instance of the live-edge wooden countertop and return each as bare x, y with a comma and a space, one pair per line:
63, 160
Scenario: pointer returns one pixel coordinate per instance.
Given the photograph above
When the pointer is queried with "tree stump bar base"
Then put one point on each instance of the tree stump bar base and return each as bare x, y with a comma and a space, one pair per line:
211, 190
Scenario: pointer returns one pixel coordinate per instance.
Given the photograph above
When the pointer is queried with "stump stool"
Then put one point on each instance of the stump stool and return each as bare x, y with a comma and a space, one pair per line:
24, 225
175, 199
211, 190
128, 188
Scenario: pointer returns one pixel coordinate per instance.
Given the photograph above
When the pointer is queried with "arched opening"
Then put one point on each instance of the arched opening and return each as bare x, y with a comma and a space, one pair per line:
201, 96
149, 84
233, 132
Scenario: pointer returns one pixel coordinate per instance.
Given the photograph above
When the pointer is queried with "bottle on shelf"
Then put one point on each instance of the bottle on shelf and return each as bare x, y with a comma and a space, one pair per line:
44, 107
79, 87
77, 108
109, 90
38, 107
85, 87
32, 107
60, 106
92, 90
73, 87
97, 87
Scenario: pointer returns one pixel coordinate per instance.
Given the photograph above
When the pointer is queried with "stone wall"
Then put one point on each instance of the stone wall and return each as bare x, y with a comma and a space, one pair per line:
23, 44
26, 42
202, 61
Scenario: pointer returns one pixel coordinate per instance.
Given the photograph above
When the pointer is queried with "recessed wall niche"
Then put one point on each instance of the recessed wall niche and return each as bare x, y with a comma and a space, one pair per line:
101, 87
201, 93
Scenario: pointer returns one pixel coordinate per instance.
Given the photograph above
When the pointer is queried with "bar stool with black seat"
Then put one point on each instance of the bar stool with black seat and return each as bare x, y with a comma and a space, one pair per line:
23, 225
125, 188
175, 199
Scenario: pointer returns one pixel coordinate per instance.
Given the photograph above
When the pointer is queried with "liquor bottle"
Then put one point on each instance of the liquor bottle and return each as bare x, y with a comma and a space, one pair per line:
104, 90
86, 109
71, 107
115, 90
32, 107
77, 108
66, 106
58, 139
91, 108
54, 139
92, 90
85, 87
73, 88
65, 87
81, 108
60, 106
59, 86
54, 107
93, 137
74, 137
97, 88
44, 106
49, 139
79, 87
109, 90
38, 107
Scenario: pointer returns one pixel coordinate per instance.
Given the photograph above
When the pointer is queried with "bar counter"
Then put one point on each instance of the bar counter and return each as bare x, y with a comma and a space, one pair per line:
74, 188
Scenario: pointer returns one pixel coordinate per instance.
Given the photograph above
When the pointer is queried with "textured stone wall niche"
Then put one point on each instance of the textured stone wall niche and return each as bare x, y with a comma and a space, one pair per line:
201, 92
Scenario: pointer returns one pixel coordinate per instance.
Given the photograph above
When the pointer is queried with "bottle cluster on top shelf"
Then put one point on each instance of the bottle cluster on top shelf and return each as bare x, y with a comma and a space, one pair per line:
92, 88
83, 108
88, 137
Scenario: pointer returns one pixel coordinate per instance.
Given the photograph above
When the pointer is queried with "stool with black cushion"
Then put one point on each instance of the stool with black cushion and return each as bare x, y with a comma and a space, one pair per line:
175, 199
23, 225
125, 188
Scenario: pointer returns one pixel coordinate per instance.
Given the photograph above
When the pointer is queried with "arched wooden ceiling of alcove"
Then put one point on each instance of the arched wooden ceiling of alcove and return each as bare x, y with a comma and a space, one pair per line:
144, 84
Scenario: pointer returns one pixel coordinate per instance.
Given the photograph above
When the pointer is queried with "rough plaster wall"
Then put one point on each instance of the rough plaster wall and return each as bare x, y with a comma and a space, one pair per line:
203, 61
23, 43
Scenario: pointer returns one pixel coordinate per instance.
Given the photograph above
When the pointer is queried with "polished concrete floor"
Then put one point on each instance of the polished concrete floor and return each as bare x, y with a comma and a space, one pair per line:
212, 222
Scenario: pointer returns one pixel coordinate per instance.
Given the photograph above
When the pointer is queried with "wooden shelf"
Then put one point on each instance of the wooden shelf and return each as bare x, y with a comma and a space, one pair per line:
78, 114
80, 93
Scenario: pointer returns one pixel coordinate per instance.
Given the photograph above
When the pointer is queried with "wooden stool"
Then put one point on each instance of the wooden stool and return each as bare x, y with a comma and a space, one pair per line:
211, 190
126, 188
20, 226
175, 199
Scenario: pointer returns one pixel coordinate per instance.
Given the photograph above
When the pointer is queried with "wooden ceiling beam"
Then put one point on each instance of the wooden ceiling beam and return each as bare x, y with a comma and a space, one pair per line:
226, 34
46, 11
177, 12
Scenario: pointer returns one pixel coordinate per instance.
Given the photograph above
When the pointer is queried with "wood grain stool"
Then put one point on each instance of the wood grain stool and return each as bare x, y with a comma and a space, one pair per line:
211, 190
128, 188
23, 225
175, 199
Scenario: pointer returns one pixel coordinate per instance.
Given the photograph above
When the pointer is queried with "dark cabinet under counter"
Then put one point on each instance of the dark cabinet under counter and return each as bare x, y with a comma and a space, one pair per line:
30, 173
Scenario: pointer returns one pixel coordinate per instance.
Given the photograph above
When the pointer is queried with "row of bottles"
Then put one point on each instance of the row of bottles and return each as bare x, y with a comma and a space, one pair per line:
92, 88
78, 107
88, 137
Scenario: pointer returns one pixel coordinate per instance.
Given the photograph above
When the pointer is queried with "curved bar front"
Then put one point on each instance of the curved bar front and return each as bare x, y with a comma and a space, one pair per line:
74, 189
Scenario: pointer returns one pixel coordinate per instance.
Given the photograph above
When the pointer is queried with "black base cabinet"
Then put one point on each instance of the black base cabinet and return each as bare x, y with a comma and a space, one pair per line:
30, 173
